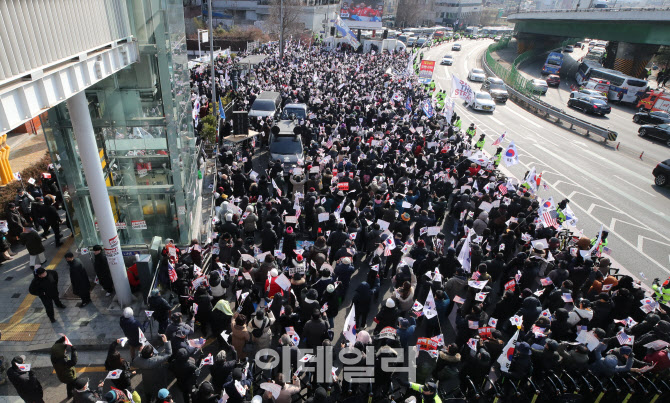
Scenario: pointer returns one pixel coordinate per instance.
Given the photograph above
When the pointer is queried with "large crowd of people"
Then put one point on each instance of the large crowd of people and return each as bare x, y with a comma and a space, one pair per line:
393, 240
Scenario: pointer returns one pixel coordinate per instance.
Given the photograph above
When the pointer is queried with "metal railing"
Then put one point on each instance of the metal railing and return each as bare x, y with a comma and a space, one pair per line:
521, 91
590, 10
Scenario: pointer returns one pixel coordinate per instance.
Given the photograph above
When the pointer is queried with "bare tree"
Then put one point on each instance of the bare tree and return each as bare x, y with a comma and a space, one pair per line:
413, 13
285, 19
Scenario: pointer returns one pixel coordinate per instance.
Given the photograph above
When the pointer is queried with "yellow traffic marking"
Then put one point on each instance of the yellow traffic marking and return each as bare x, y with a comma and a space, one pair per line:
86, 369
17, 331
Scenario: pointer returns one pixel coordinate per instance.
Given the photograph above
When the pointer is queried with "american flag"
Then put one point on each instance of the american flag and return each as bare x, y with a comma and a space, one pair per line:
503, 189
475, 275
607, 251
499, 139
172, 273
624, 338
549, 220
329, 143
387, 252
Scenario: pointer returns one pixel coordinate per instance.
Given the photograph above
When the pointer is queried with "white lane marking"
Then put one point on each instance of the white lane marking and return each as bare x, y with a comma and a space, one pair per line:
607, 185
635, 186
524, 118
644, 179
496, 120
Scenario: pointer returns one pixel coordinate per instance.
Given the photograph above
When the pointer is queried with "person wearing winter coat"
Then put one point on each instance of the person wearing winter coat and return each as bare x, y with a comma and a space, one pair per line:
481, 223
315, 330
185, 372
387, 316
114, 361
131, 329
161, 310
15, 222
530, 310
64, 364
343, 272
45, 287
52, 218
447, 369
81, 286
457, 286
404, 297
204, 312
222, 316
261, 329
33, 242
268, 238
575, 358
240, 335
26, 383
271, 285
361, 301
521, 365
101, 267
205, 394
333, 304
153, 367
607, 366
82, 394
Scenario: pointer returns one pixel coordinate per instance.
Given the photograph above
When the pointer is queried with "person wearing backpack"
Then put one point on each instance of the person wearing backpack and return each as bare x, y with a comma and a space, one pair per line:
261, 333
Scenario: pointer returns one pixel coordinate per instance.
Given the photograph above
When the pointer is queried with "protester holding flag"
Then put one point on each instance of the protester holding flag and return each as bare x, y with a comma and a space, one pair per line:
24, 380
132, 329
64, 363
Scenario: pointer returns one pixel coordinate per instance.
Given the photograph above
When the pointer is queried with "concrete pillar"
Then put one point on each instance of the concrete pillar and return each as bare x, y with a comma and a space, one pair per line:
625, 55
82, 126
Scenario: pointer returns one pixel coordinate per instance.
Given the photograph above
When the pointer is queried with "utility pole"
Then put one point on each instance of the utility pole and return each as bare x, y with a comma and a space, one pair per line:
281, 29
215, 110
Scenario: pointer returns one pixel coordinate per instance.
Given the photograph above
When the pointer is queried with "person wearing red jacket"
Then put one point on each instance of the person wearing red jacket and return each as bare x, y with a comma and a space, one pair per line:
271, 286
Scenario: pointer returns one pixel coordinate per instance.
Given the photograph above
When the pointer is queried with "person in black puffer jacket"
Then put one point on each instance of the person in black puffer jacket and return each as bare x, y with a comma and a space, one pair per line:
26, 383
185, 371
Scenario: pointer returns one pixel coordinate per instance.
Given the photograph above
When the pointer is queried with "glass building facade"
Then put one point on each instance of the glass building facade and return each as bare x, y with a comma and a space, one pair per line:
143, 125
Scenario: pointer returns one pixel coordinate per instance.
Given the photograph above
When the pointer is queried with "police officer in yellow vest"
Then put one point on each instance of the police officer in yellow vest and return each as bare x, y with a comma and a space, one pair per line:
603, 241
662, 292
428, 390
471, 131
497, 157
481, 141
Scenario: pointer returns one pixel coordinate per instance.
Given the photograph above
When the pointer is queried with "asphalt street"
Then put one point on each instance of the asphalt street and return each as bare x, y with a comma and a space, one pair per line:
604, 186
620, 119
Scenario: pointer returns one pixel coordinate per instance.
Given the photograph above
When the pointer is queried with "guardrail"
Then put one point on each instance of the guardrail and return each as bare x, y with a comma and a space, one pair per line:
517, 87
590, 10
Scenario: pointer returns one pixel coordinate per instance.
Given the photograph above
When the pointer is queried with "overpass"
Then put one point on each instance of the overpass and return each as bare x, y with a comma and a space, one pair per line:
634, 33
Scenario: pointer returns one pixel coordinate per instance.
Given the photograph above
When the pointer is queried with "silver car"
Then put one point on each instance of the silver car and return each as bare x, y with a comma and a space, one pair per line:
477, 75
540, 86
483, 102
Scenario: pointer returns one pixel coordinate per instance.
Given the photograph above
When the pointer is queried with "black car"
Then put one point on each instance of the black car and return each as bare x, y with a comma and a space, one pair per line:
590, 104
656, 118
662, 173
661, 132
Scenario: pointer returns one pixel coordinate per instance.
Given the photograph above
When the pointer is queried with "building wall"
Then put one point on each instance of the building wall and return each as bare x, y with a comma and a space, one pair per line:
143, 125
466, 12
35, 34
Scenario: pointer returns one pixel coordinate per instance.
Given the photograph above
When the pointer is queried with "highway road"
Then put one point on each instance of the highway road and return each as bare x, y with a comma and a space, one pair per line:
605, 187
619, 120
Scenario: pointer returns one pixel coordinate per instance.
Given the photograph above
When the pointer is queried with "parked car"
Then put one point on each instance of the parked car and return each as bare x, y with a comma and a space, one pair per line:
590, 105
496, 87
589, 93
477, 75
660, 132
456, 46
569, 49
662, 173
539, 85
497, 38
483, 102
447, 60
554, 80
655, 117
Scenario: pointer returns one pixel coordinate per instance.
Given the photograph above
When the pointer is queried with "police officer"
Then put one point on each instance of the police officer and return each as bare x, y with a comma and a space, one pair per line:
497, 157
662, 291
471, 131
480, 142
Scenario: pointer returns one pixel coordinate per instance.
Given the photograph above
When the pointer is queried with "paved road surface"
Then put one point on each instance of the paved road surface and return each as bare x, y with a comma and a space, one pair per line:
619, 120
604, 186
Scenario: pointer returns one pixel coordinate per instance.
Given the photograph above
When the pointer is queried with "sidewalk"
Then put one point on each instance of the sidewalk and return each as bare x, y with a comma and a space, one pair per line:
23, 321
26, 149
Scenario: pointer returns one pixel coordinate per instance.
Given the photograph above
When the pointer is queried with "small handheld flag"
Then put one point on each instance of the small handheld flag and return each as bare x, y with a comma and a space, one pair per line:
66, 341
116, 374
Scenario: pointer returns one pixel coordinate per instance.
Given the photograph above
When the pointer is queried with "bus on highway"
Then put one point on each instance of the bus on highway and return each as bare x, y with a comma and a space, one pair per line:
553, 63
622, 87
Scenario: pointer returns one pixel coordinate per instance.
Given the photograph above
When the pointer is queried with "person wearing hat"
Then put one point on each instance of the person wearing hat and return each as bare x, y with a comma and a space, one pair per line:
82, 394
81, 286
185, 372
387, 316
608, 365
26, 383
271, 285
15, 222
428, 390
315, 330
230, 387
101, 267
343, 272
45, 286
33, 242
153, 367
131, 329
64, 364
521, 365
